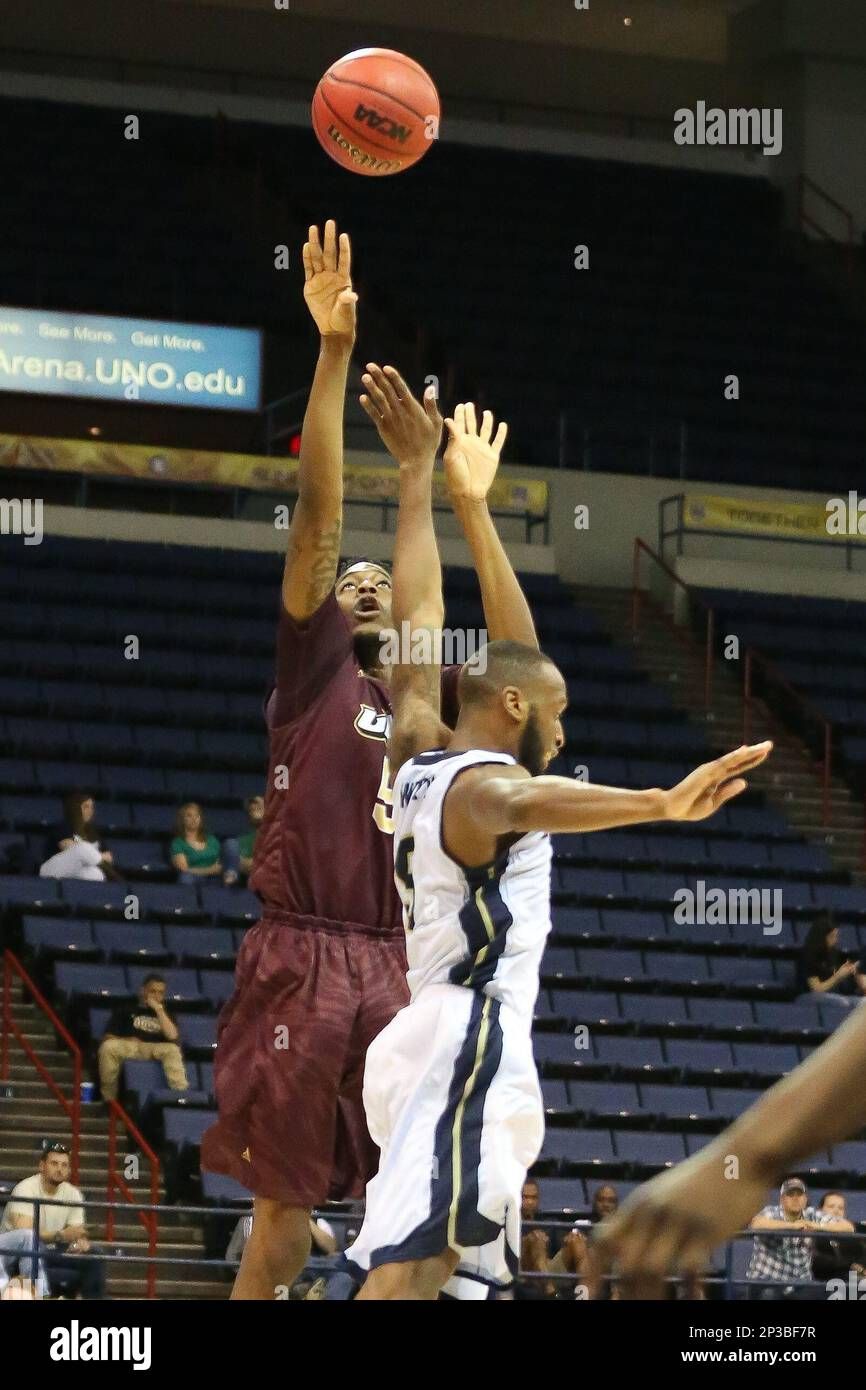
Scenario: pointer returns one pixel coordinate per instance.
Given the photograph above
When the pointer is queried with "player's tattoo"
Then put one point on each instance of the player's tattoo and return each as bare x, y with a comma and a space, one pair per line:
316, 558
326, 558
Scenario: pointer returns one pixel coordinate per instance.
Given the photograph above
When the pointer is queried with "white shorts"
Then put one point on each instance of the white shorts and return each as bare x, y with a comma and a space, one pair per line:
452, 1099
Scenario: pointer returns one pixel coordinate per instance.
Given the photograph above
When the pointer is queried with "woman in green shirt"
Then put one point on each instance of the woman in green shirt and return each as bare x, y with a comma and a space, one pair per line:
194, 853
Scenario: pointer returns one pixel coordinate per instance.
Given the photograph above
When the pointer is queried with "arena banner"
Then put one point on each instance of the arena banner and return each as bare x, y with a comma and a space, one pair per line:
792, 520
48, 353
362, 482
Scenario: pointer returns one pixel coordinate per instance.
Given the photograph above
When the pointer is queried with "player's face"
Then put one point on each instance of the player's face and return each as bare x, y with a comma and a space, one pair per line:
365, 598
542, 736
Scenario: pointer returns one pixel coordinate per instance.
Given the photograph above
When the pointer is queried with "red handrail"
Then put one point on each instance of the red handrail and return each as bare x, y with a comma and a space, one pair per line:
751, 655
805, 182
116, 1180
71, 1107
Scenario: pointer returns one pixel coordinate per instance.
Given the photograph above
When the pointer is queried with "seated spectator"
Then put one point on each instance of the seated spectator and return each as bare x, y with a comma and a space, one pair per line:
238, 853
536, 1248
834, 1259
194, 853
604, 1203
73, 847
145, 1032
62, 1228
17, 1266
312, 1281
822, 970
780, 1262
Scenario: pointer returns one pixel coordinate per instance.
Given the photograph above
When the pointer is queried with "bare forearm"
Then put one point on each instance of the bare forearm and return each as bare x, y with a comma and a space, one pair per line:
820, 1103
320, 466
556, 804
417, 574
506, 612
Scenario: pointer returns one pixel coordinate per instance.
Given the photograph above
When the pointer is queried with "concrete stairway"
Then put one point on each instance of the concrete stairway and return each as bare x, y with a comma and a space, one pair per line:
32, 1113
790, 779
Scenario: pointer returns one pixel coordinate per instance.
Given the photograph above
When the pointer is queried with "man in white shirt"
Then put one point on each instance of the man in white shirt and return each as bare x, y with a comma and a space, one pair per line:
62, 1228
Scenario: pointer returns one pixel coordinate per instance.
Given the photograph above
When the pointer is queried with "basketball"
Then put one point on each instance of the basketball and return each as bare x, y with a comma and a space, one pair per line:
376, 112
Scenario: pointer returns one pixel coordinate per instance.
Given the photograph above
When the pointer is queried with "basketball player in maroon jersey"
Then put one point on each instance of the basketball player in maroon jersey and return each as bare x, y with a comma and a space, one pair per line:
323, 971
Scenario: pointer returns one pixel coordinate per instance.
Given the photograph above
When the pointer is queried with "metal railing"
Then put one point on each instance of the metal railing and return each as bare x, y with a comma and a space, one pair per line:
752, 658
805, 186
116, 1181
70, 1105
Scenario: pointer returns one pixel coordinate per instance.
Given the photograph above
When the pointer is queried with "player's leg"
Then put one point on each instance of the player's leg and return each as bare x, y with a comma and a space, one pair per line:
413, 1280
276, 1252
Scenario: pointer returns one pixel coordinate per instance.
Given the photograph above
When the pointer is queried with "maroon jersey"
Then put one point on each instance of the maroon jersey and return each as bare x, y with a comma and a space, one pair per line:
325, 847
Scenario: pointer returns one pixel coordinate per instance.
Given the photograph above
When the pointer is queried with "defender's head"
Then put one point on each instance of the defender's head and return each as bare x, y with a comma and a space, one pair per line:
514, 697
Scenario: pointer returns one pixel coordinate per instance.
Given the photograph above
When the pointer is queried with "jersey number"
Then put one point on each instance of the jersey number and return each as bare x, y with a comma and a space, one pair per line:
405, 881
384, 801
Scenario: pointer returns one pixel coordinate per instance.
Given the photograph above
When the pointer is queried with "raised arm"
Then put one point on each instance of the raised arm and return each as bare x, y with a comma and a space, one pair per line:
510, 800
471, 461
314, 536
411, 432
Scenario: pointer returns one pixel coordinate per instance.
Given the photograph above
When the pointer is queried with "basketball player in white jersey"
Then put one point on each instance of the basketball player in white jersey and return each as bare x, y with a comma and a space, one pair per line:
451, 1090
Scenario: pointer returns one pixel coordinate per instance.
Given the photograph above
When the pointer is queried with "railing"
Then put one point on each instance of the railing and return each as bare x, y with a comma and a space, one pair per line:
116, 1181
680, 528
804, 185
751, 658
71, 1106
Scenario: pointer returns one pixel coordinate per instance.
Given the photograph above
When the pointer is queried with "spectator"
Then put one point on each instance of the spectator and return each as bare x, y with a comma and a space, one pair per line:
142, 1031
16, 1269
238, 853
604, 1203
62, 1228
834, 1259
194, 853
73, 847
323, 1242
822, 970
780, 1261
535, 1248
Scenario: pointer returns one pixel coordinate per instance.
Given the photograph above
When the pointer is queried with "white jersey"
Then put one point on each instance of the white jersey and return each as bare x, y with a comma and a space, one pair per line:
482, 928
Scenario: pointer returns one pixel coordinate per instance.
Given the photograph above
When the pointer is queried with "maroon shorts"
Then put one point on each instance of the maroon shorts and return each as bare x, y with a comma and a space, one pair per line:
309, 999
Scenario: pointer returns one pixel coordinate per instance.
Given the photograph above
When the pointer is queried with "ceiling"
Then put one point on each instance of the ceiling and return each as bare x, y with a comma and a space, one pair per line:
690, 29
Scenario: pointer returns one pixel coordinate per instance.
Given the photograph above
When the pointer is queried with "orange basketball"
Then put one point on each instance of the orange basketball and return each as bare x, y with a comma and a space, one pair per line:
376, 112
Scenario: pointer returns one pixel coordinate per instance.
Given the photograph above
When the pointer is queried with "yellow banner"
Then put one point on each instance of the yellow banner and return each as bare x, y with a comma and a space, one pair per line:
362, 482
803, 520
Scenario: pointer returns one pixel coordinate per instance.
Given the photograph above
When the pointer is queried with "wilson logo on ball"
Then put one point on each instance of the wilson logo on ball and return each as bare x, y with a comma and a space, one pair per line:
376, 121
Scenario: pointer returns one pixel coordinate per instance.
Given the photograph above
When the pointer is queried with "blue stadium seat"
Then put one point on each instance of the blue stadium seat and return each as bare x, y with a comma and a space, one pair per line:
633, 926
230, 904
185, 1127
635, 1053
27, 891
649, 1150
765, 1059
737, 971
610, 965
561, 1195
604, 1097
558, 960
94, 898
205, 945
131, 941
591, 883
584, 1006
167, 901
654, 1008
786, 1017
728, 1102
694, 1056
558, 1049
216, 985
721, 1013
651, 887
198, 1032
576, 921
79, 979
676, 1102
59, 936
554, 1094
850, 1158
679, 968
578, 1146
